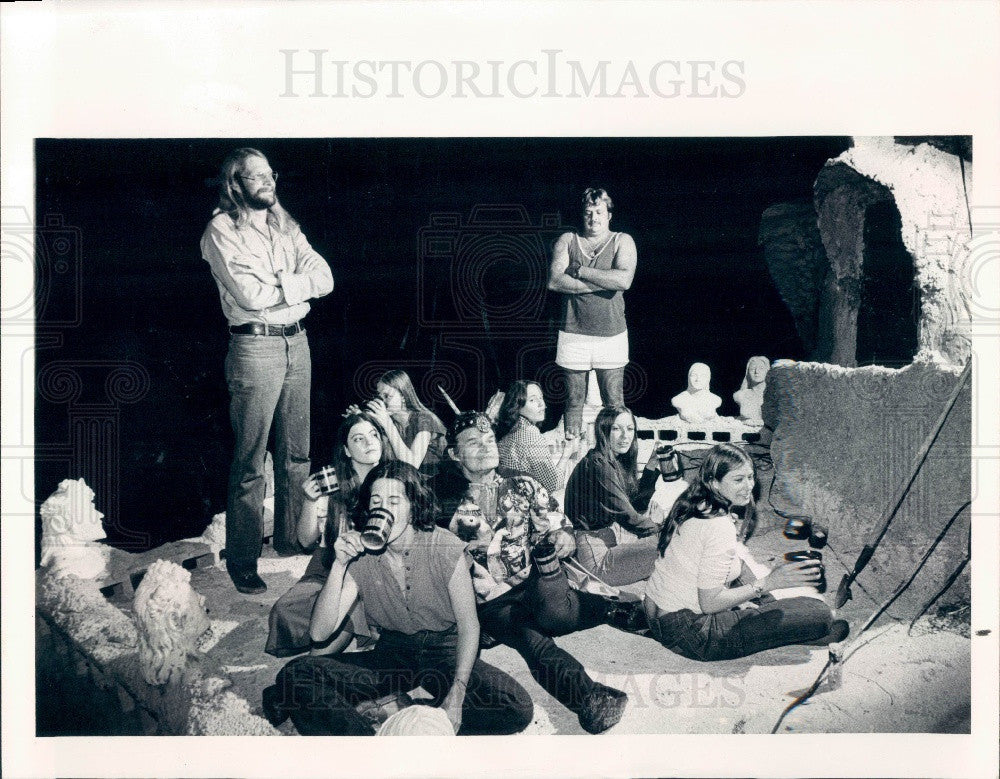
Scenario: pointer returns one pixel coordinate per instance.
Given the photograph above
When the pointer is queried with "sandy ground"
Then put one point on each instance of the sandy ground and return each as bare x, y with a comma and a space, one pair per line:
891, 680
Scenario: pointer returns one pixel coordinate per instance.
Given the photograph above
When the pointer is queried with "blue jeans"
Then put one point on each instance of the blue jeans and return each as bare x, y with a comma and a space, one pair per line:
526, 617
320, 693
269, 378
614, 563
741, 632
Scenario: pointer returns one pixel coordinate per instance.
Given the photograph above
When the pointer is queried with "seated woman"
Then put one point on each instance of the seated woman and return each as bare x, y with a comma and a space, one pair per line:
415, 434
521, 445
691, 603
418, 591
359, 447
615, 522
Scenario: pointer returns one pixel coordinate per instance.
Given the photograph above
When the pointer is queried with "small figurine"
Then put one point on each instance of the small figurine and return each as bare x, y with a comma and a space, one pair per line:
750, 395
70, 527
170, 617
697, 403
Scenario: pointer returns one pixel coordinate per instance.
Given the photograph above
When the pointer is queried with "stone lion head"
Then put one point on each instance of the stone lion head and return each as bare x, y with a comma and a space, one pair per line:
170, 617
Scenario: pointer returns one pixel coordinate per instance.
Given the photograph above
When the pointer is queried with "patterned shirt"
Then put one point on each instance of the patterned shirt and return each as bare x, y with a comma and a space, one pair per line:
524, 449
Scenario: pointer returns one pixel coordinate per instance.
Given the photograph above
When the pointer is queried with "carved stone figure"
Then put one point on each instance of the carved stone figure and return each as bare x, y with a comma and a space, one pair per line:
750, 395
170, 617
697, 403
70, 526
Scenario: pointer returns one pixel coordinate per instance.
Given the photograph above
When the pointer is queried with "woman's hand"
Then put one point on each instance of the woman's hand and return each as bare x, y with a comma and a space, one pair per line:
379, 412
805, 573
347, 546
564, 543
311, 487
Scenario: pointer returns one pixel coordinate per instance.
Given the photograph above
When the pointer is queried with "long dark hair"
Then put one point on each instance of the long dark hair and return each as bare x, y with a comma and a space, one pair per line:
513, 401
423, 509
341, 461
624, 464
700, 500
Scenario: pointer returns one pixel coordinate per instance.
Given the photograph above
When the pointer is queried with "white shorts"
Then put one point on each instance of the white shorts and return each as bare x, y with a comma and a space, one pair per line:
578, 352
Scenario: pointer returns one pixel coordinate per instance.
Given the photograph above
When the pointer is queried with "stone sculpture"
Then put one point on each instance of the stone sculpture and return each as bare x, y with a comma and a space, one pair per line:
170, 617
70, 527
750, 395
697, 403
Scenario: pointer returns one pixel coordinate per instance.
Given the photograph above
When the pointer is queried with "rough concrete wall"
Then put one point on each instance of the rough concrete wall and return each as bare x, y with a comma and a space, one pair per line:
930, 188
796, 260
846, 438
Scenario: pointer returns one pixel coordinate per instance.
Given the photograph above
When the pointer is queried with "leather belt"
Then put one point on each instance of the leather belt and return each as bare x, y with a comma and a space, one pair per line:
259, 328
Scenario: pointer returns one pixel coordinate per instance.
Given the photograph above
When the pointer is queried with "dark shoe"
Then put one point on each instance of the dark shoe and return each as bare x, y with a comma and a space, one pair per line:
246, 580
630, 617
544, 555
839, 629
602, 708
274, 712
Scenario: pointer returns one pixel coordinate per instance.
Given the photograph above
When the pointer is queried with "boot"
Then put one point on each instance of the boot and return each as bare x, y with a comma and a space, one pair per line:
602, 708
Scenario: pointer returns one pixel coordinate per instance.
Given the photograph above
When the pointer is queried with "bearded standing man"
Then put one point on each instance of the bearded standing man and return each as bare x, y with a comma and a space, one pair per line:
591, 270
266, 271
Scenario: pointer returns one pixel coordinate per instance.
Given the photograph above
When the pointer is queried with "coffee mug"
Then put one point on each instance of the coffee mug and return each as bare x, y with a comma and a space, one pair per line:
814, 556
326, 478
378, 526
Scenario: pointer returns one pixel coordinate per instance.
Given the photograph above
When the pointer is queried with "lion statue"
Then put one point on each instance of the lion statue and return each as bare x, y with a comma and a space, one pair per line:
70, 527
170, 617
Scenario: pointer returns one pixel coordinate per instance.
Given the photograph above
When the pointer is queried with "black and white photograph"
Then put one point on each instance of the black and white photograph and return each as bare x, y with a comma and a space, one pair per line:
474, 427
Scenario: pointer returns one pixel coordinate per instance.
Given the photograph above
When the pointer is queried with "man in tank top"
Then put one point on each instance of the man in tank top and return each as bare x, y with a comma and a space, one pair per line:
591, 269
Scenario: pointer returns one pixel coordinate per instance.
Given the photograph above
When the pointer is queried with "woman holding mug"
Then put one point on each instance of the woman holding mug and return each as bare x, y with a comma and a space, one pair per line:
359, 447
418, 591
693, 602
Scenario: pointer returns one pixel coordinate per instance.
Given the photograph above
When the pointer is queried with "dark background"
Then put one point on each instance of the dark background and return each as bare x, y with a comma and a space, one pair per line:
424, 281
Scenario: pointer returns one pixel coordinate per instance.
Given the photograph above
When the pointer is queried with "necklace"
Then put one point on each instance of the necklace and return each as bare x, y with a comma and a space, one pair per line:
591, 252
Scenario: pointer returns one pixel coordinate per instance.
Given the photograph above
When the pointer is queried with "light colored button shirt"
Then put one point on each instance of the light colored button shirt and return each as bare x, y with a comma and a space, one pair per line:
263, 275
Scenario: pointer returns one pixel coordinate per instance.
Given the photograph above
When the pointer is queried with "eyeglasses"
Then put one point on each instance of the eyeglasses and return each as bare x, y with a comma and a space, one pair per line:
261, 178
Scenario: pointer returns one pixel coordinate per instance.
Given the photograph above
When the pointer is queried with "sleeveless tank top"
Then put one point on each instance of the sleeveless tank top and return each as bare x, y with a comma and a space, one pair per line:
600, 313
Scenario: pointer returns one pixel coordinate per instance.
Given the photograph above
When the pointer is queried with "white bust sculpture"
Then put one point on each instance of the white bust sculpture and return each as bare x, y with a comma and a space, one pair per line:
70, 527
170, 617
697, 403
750, 395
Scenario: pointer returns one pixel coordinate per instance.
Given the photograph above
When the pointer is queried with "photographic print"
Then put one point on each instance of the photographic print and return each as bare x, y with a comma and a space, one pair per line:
497, 428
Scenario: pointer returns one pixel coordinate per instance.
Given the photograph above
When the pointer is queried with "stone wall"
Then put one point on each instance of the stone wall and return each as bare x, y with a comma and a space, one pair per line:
930, 188
845, 438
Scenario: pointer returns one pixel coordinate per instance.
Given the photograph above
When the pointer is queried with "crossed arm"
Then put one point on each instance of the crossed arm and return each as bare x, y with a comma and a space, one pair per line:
618, 277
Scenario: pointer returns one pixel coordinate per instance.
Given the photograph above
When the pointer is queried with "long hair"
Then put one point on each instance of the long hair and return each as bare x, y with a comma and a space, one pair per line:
423, 508
746, 373
623, 464
233, 202
513, 401
343, 463
700, 500
401, 381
